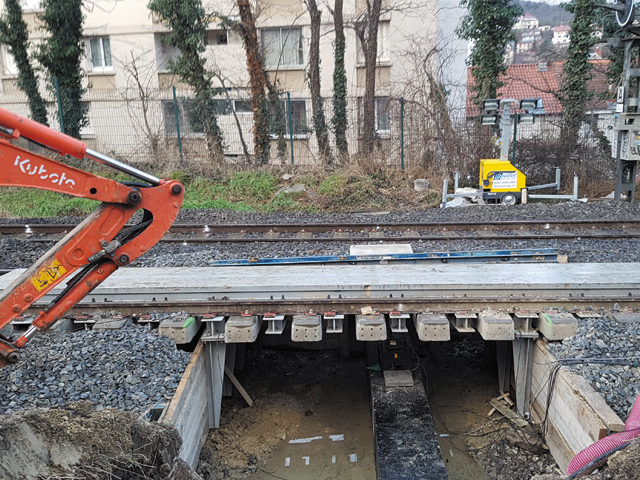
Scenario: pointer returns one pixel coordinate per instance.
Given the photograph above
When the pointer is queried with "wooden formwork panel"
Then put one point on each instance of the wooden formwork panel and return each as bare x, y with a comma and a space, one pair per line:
577, 416
189, 408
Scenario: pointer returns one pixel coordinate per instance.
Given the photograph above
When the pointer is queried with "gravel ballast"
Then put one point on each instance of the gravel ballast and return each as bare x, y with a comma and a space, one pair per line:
605, 340
131, 369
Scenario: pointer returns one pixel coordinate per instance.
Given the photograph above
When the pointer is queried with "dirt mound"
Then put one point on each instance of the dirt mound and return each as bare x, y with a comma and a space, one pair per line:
80, 443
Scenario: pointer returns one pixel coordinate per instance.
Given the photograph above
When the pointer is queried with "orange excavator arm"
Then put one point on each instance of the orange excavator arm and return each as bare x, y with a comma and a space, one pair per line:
97, 247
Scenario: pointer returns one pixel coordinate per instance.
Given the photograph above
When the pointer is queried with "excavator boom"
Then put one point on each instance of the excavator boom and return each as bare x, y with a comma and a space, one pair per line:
97, 247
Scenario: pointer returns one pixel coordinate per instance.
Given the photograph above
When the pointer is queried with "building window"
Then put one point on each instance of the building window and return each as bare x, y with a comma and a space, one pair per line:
30, 4
9, 66
242, 106
100, 54
189, 116
298, 119
384, 44
282, 46
383, 120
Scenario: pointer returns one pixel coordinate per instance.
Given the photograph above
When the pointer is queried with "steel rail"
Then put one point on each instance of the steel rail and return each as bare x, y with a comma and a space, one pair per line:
354, 306
371, 226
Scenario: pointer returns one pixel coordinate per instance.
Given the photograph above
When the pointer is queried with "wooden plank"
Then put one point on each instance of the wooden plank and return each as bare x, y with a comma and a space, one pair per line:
508, 413
577, 417
188, 410
236, 383
573, 404
570, 427
571, 415
602, 410
184, 381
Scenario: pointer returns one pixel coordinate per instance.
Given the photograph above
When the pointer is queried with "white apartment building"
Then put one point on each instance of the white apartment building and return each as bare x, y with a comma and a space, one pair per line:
120, 34
526, 22
561, 35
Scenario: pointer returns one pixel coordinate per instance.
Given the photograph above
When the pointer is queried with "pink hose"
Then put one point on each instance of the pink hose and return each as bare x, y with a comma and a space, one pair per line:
602, 446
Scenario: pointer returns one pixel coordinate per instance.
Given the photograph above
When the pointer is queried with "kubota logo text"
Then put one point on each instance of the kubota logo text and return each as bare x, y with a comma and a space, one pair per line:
56, 178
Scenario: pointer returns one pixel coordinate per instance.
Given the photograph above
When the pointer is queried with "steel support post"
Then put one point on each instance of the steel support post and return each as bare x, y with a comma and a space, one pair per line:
230, 362
216, 356
505, 126
522, 364
504, 366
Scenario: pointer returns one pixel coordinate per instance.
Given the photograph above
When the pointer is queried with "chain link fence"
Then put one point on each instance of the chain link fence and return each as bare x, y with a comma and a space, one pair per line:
162, 127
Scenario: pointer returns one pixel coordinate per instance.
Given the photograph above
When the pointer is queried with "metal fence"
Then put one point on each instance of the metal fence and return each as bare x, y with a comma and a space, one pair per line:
161, 126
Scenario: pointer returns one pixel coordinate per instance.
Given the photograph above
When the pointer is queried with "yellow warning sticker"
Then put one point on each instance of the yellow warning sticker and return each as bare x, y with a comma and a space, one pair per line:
48, 275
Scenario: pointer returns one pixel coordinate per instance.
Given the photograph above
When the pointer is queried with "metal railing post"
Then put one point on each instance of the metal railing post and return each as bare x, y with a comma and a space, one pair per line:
175, 112
445, 187
55, 83
402, 133
290, 124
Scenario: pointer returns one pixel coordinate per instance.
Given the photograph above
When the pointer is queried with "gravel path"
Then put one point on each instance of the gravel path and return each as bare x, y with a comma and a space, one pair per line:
479, 213
16, 253
130, 369
617, 344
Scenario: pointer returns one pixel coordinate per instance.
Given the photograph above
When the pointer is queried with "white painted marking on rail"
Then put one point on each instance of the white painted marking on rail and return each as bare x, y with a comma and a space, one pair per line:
287, 461
337, 438
306, 460
353, 457
333, 459
304, 440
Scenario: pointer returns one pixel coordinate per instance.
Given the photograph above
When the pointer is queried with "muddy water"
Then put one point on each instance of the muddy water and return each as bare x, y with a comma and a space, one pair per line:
339, 407
460, 385
305, 395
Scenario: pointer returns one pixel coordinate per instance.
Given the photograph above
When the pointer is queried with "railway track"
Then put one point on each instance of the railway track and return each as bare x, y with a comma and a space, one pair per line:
364, 232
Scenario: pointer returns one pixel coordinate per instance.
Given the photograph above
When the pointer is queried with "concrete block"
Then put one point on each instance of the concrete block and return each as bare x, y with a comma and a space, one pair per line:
380, 249
111, 323
495, 326
398, 378
181, 328
306, 328
626, 317
242, 329
556, 326
432, 327
371, 328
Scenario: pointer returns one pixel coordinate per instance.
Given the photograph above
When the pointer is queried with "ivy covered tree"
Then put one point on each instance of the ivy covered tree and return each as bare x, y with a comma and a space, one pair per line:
339, 119
61, 54
574, 93
188, 22
317, 102
488, 23
246, 28
615, 55
14, 34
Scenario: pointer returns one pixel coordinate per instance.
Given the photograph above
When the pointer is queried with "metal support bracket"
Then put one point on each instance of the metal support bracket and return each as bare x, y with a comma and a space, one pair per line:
398, 322
275, 323
334, 322
463, 320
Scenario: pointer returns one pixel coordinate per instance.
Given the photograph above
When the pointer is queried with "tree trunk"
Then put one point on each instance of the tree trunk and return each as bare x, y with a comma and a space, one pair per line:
317, 103
247, 30
369, 39
339, 119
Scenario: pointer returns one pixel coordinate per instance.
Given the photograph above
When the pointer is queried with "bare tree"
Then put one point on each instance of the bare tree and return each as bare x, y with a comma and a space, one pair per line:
366, 27
317, 103
140, 77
